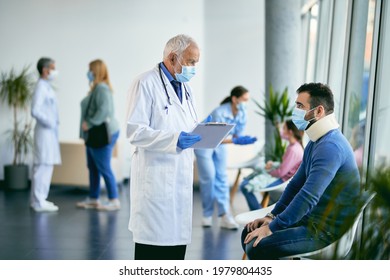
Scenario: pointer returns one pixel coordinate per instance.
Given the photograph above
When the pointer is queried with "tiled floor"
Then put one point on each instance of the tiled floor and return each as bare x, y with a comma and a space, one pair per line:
76, 234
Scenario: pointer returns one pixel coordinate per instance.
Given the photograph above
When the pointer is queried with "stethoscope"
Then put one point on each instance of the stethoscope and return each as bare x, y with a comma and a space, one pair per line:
187, 95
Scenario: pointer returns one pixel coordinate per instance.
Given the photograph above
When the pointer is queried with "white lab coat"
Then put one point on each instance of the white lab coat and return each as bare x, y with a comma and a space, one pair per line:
161, 182
45, 111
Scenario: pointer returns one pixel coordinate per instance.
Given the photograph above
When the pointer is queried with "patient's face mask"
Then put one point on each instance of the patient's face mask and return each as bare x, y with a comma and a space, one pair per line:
298, 118
90, 76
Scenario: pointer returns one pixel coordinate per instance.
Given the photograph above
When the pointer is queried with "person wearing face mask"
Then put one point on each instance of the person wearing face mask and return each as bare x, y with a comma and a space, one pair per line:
212, 170
322, 198
44, 110
161, 113
261, 180
96, 108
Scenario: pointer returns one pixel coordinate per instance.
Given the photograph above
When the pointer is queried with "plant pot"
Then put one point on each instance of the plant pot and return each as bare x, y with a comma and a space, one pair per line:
16, 177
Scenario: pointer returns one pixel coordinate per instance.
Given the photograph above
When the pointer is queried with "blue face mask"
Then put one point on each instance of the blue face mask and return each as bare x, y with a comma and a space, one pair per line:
241, 106
187, 72
90, 76
298, 118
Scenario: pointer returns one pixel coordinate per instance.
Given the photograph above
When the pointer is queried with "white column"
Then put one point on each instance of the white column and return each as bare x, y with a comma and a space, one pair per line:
283, 65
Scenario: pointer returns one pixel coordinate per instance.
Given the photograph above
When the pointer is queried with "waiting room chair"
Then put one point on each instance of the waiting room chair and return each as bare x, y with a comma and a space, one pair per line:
252, 163
266, 191
337, 250
247, 217
341, 247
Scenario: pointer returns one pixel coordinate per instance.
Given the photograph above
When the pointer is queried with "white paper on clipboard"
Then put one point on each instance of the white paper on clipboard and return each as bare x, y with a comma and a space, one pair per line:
212, 134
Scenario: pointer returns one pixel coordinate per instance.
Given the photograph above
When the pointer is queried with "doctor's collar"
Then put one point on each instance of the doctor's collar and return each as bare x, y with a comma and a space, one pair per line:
166, 72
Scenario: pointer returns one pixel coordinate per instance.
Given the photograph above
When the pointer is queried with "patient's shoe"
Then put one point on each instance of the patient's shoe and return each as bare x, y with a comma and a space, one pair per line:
88, 203
111, 205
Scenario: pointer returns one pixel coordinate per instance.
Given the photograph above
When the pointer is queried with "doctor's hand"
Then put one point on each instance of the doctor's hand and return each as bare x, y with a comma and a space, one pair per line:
244, 140
186, 140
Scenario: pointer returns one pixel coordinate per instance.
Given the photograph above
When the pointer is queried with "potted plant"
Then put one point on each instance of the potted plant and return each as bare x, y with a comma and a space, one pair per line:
374, 243
373, 237
16, 93
276, 109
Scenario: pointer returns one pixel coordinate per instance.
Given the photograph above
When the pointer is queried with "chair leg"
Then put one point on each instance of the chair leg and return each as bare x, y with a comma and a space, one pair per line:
235, 186
265, 201
243, 257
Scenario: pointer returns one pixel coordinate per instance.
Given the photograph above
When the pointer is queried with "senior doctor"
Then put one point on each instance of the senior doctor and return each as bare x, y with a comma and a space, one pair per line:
161, 113
46, 145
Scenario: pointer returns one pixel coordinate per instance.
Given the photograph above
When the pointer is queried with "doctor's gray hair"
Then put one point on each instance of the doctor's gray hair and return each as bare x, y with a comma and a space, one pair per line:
177, 45
44, 62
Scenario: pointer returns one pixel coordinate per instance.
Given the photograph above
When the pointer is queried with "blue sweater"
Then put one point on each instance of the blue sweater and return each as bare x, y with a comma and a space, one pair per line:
324, 190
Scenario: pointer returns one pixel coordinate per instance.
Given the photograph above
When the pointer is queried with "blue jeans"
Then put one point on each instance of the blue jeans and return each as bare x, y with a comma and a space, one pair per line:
287, 242
214, 185
99, 164
251, 199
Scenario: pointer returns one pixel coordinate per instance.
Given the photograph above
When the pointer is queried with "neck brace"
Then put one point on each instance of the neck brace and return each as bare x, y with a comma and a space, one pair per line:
322, 126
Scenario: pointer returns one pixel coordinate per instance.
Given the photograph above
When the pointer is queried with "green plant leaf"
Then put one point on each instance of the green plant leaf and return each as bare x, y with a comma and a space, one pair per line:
276, 109
16, 92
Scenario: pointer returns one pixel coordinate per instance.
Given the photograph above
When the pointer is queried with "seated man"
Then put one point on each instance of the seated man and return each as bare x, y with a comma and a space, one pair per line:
319, 201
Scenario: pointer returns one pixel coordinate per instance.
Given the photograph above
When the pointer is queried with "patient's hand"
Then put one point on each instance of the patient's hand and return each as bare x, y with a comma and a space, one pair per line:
269, 165
258, 223
259, 234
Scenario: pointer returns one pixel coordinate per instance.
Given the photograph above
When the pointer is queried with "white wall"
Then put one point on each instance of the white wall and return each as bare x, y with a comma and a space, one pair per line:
129, 35
234, 54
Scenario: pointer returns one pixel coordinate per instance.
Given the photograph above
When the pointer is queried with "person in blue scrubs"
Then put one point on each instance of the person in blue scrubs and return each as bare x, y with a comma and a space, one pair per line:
214, 186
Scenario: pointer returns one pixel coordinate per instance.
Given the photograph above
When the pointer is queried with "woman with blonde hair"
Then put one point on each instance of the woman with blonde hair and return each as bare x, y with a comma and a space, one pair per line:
98, 108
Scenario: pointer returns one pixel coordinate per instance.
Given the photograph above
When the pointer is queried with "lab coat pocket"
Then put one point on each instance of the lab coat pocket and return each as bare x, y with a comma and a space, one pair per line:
161, 120
49, 101
159, 182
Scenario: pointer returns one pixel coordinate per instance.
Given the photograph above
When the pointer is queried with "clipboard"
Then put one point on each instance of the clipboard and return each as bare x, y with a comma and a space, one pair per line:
212, 134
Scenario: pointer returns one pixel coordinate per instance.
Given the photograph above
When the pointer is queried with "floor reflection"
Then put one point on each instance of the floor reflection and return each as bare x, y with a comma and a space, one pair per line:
78, 234
219, 243
43, 238
102, 230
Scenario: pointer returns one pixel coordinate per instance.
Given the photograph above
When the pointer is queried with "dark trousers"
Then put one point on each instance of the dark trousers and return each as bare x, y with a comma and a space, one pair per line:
152, 252
287, 242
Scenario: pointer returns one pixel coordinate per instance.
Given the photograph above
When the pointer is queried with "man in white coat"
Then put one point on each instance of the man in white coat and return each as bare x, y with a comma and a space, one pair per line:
160, 115
46, 145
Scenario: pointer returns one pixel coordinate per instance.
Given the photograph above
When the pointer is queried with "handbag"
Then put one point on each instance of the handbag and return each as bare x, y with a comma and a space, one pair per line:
97, 136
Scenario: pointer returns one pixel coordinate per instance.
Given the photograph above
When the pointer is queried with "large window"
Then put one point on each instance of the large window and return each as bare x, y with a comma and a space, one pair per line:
380, 151
309, 15
360, 66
